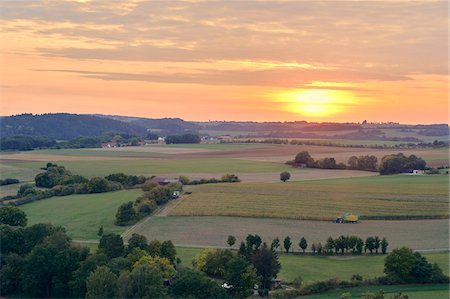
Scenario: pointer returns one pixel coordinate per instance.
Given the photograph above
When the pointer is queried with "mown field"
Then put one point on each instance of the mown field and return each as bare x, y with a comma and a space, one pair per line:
431, 291
159, 166
81, 215
313, 268
375, 196
213, 230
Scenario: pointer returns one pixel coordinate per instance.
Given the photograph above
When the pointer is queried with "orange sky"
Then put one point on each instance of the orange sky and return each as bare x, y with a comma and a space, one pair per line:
230, 60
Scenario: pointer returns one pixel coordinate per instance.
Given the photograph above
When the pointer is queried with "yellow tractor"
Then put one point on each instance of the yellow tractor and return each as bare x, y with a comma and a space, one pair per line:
347, 218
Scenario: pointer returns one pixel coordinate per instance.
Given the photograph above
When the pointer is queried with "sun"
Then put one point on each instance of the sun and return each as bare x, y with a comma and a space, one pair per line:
315, 102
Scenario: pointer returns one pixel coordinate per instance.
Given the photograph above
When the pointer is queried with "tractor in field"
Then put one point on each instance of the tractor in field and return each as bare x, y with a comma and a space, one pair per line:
347, 218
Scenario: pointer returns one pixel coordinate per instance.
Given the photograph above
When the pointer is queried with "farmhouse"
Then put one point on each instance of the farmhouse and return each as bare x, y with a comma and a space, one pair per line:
418, 171
164, 181
109, 144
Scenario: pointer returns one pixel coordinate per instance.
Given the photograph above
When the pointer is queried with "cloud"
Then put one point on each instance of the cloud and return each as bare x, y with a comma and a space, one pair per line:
376, 40
288, 78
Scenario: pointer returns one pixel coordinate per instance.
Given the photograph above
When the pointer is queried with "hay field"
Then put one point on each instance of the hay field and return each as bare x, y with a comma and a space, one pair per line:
375, 196
213, 230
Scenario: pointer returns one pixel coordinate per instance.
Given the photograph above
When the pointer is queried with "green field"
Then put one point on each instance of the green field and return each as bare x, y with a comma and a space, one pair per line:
431, 291
81, 215
16, 171
313, 268
159, 166
380, 196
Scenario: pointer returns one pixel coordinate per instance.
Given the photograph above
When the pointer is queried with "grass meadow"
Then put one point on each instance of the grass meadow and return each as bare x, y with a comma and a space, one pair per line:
81, 215
430, 291
375, 196
313, 268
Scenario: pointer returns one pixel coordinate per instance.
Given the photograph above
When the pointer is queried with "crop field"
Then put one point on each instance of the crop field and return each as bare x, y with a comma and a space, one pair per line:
429, 291
81, 215
376, 196
213, 230
159, 166
313, 268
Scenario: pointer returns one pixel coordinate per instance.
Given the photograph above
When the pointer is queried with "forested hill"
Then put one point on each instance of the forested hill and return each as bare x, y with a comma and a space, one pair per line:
65, 126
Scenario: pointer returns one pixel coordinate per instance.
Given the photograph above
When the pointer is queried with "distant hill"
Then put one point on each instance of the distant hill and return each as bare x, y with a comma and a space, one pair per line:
65, 126
166, 125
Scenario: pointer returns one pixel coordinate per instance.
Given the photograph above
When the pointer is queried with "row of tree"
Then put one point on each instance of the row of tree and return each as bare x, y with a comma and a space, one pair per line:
154, 196
342, 244
227, 178
58, 181
390, 164
183, 138
8, 181
27, 143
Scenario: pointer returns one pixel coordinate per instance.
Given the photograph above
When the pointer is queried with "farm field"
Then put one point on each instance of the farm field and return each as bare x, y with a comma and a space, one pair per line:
212, 231
258, 152
431, 291
313, 268
151, 167
81, 215
376, 196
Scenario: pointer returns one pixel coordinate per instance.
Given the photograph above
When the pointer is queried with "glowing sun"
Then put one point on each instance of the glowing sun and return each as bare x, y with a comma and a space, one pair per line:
316, 102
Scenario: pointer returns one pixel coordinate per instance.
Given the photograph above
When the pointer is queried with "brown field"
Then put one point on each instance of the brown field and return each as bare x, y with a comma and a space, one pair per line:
384, 197
213, 231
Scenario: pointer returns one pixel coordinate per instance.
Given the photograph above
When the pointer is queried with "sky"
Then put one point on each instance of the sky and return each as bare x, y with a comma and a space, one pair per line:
342, 61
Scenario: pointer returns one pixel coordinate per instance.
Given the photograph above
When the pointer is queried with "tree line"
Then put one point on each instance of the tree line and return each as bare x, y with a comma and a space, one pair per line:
27, 143
227, 178
58, 181
389, 164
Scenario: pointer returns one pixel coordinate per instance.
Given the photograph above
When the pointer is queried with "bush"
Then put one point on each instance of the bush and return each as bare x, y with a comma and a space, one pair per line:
126, 214
12, 216
8, 181
230, 178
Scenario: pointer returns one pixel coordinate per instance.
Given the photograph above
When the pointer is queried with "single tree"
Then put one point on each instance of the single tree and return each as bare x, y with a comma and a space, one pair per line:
195, 284
267, 266
376, 243
303, 244
231, 240
287, 244
384, 245
168, 251
111, 245
100, 231
126, 214
275, 244
241, 275
12, 216
101, 283
284, 176
137, 241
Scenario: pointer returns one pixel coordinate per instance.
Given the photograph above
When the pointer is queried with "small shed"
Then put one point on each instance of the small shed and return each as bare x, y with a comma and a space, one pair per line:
418, 171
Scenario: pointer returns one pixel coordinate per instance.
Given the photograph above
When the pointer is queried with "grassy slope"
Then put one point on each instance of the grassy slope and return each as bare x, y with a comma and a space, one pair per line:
323, 199
81, 215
